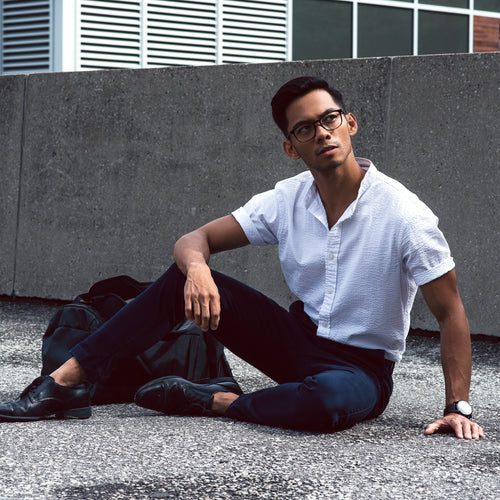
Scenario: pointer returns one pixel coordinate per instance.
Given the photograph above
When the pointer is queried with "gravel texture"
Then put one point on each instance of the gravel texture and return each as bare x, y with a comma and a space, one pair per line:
127, 452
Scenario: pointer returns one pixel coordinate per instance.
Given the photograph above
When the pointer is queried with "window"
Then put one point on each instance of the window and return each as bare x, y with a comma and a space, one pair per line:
441, 33
464, 4
384, 31
321, 30
378, 28
491, 5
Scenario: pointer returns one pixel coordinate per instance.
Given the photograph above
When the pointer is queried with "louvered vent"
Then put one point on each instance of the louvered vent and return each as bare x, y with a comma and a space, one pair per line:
181, 32
129, 34
254, 31
25, 43
110, 34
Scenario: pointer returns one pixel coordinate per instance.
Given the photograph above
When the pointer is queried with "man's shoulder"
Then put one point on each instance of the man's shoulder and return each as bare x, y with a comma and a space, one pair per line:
304, 178
385, 182
395, 194
295, 187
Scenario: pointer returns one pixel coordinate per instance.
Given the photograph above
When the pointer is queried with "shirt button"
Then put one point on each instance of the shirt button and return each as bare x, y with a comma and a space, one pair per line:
330, 291
331, 256
323, 324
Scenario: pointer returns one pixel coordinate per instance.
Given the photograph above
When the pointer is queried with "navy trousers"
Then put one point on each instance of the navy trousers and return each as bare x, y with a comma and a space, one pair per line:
322, 385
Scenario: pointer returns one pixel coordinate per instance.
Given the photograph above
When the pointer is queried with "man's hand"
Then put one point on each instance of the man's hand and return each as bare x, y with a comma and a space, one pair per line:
463, 427
201, 297
192, 253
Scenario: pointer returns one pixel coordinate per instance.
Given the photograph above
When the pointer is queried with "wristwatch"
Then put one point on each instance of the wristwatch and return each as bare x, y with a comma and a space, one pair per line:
460, 407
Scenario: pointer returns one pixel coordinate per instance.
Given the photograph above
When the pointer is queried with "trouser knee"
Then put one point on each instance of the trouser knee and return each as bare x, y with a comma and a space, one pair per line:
338, 401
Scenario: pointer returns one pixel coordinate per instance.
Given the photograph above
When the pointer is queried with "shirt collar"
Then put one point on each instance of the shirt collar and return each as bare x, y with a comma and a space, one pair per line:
370, 170
313, 201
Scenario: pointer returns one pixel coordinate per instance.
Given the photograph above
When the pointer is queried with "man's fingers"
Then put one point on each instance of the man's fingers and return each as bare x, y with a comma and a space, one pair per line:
188, 307
214, 312
469, 430
196, 312
204, 318
462, 427
202, 301
431, 428
442, 426
206, 314
458, 429
476, 430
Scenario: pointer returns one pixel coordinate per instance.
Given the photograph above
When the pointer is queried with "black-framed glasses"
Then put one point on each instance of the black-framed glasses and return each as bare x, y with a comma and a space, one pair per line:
306, 131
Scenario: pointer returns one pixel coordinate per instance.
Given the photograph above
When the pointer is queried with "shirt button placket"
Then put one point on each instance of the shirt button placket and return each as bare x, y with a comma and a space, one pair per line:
331, 278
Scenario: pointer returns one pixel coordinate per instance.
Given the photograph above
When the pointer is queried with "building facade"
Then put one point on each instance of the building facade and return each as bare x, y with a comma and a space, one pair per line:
330, 29
74, 35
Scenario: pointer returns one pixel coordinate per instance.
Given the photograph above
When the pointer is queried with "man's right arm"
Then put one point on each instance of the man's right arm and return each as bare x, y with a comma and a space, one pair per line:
192, 254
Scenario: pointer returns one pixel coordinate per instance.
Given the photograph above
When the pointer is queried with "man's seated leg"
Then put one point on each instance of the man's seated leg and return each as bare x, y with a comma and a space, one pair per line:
251, 327
263, 333
256, 329
284, 346
328, 401
140, 324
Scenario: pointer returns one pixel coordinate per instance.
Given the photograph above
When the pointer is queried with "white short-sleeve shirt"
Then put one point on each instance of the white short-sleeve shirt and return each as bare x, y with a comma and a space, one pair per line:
357, 280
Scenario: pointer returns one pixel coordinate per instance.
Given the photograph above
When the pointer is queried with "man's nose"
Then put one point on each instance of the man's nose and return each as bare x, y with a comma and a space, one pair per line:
321, 132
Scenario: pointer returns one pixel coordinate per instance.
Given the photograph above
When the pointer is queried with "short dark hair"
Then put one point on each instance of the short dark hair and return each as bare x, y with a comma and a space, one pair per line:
294, 89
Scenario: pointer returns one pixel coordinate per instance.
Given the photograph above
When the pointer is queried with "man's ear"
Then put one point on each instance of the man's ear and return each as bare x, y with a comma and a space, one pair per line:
290, 151
352, 124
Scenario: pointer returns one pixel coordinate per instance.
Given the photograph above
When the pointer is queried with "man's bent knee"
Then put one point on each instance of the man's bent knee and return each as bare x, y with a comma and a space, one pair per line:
338, 400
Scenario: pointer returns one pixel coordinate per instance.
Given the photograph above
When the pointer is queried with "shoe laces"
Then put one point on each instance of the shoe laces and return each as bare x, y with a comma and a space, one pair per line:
37, 382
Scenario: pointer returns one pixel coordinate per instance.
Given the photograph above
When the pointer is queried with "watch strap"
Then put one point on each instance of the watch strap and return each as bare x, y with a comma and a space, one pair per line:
452, 408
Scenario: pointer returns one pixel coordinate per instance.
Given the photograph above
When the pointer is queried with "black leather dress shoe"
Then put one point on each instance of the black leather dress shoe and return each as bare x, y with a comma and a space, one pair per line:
177, 396
43, 399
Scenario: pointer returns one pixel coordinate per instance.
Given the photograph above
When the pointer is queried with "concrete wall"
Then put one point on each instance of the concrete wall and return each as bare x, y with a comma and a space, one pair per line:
102, 171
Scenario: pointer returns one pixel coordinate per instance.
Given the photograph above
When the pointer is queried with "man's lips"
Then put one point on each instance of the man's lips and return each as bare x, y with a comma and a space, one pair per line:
326, 150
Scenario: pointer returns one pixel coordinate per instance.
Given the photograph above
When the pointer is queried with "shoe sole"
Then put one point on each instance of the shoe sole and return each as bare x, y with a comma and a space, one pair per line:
219, 381
71, 414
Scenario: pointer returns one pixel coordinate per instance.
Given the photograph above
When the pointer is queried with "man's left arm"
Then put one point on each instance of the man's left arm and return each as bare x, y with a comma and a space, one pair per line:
443, 299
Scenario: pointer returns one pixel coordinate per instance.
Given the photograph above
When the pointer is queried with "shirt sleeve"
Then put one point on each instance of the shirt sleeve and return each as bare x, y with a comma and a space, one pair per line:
426, 252
259, 218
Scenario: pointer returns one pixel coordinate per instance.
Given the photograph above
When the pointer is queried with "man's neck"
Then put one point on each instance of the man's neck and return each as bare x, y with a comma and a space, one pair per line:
338, 188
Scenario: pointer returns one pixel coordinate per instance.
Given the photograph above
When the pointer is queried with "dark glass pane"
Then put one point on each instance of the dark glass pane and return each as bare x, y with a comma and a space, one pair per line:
321, 29
440, 33
384, 31
491, 5
463, 4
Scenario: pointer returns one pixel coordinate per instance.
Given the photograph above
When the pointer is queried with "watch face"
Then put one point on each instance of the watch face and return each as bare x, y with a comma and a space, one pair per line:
464, 408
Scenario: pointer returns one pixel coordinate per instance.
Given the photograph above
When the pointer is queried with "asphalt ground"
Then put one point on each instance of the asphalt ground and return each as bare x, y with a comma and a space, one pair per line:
127, 452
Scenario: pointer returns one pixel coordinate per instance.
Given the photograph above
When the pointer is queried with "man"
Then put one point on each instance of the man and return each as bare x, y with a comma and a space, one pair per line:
353, 245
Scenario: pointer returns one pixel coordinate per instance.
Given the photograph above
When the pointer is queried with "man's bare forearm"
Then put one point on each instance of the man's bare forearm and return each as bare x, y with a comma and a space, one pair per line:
216, 236
192, 248
456, 357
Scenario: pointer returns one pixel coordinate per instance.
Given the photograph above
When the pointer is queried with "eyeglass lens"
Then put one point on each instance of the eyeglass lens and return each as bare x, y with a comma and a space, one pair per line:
307, 131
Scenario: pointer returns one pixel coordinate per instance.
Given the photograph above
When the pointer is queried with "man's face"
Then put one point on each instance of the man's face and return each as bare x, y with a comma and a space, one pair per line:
328, 149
